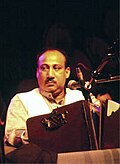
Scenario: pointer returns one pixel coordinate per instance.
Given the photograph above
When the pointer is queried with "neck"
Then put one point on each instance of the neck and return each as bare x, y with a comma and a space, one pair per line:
58, 96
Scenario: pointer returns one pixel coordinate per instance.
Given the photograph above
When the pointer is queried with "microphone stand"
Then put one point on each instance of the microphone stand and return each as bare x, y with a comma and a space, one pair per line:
112, 51
86, 94
84, 90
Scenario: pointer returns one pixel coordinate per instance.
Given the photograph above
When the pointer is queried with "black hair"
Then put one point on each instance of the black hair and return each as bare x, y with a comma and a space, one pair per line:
101, 90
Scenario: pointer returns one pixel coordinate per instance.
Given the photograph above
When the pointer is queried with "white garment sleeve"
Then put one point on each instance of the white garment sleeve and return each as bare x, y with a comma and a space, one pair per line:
16, 120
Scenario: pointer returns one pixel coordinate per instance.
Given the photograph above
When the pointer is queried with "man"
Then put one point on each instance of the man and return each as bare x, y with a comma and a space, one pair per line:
104, 97
52, 72
103, 93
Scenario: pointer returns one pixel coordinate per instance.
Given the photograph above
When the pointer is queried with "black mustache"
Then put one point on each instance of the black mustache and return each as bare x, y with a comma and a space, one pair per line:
49, 80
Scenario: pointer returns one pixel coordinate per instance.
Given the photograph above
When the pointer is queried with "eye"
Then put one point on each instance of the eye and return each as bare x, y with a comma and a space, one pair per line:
43, 68
57, 67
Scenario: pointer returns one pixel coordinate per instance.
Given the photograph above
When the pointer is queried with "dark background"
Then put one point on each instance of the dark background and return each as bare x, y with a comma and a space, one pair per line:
23, 23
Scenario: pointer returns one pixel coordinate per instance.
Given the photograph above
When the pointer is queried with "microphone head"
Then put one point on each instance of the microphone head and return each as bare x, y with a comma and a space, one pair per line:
72, 84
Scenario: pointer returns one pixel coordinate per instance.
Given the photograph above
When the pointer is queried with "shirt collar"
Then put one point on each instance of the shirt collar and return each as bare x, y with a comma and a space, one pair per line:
50, 98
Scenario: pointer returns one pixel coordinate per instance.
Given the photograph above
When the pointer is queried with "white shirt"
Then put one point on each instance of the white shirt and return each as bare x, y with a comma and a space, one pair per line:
30, 104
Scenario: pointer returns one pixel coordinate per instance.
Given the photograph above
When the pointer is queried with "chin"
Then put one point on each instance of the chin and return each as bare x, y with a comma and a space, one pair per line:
50, 89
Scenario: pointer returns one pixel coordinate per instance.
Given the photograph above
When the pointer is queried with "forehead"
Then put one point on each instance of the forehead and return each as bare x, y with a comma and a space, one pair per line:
52, 56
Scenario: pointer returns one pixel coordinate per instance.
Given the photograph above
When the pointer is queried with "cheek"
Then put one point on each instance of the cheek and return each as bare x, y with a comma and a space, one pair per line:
40, 77
61, 78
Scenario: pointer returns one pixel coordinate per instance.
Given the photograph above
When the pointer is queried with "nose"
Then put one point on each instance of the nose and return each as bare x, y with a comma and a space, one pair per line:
50, 72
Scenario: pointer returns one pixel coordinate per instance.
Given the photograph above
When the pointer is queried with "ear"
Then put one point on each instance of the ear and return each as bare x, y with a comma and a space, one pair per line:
67, 72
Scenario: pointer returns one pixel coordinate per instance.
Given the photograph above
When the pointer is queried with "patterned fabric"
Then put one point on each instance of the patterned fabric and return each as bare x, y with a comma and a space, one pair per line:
106, 156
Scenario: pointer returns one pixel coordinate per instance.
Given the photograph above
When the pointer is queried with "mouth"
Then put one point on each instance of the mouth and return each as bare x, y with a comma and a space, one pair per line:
50, 83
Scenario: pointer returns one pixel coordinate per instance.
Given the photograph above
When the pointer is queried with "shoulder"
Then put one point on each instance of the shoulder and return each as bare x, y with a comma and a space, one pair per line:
73, 95
72, 92
25, 95
31, 100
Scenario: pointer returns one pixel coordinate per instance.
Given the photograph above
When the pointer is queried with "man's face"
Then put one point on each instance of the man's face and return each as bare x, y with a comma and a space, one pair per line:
51, 71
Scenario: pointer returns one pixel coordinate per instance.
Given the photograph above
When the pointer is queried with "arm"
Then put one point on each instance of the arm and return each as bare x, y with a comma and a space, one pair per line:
16, 122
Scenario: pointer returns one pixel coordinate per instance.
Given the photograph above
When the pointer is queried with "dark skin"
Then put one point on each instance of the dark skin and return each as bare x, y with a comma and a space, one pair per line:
52, 73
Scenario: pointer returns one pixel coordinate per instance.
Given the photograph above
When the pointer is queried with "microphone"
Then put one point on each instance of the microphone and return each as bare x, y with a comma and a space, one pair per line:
72, 84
